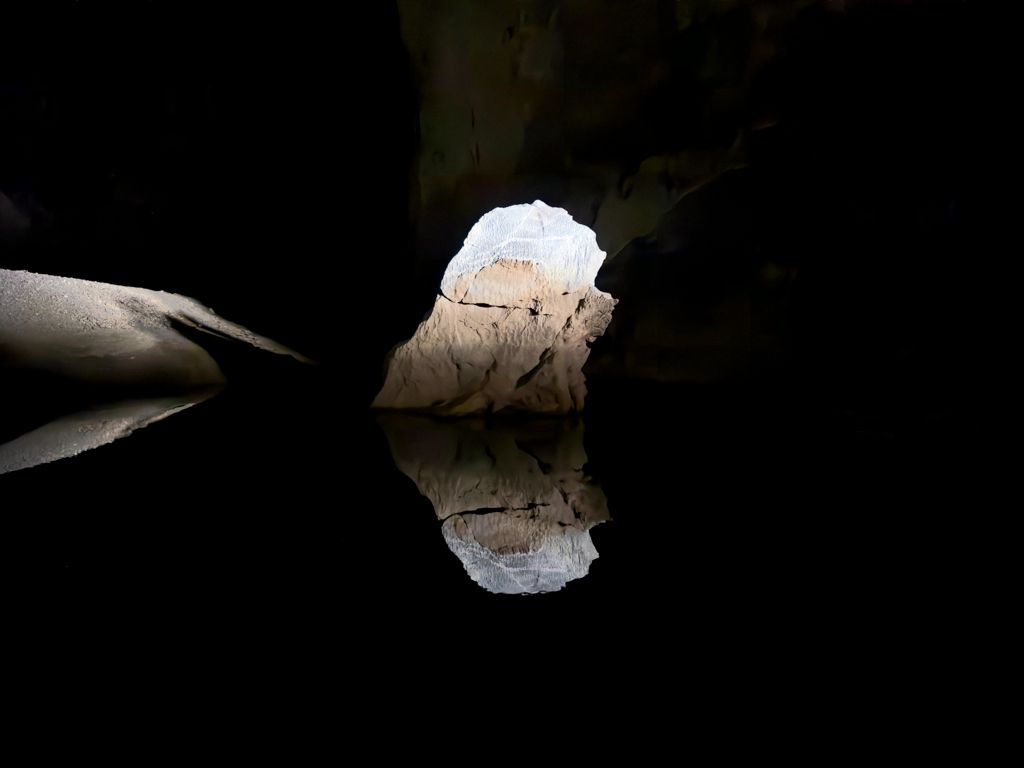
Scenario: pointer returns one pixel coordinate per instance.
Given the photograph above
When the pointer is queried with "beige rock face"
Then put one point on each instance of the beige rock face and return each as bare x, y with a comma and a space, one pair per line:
514, 502
107, 334
509, 331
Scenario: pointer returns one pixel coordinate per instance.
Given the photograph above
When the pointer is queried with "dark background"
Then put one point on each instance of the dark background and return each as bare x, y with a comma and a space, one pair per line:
260, 161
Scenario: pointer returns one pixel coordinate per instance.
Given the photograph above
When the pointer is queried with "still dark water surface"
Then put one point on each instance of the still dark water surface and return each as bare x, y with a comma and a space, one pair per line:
840, 525
273, 511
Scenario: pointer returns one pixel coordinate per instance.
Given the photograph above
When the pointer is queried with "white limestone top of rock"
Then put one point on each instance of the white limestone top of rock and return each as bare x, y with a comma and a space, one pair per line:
563, 251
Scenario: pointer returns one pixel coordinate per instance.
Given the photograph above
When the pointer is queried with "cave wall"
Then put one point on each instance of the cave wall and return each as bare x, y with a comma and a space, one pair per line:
780, 186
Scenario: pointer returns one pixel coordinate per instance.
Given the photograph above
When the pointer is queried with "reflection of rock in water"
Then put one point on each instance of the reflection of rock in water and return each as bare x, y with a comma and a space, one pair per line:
515, 504
562, 555
91, 427
68, 344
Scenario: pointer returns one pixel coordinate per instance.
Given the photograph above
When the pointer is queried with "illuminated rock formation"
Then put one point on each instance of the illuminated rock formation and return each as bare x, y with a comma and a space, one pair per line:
509, 330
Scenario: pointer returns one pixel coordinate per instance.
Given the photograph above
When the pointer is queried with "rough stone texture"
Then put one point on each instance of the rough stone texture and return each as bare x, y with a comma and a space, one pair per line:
515, 504
509, 331
110, 334
115, 345
523, 256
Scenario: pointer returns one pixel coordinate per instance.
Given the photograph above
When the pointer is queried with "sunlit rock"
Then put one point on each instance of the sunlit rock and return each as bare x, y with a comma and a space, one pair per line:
515, 504
509, 330
123, 347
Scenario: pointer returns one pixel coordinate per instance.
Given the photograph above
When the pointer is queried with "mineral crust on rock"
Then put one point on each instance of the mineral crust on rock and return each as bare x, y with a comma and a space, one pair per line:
509, 330
514, 502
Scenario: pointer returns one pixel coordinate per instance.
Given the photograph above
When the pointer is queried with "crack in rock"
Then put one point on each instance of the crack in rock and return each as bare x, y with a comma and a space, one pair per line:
515, 529
520, 293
